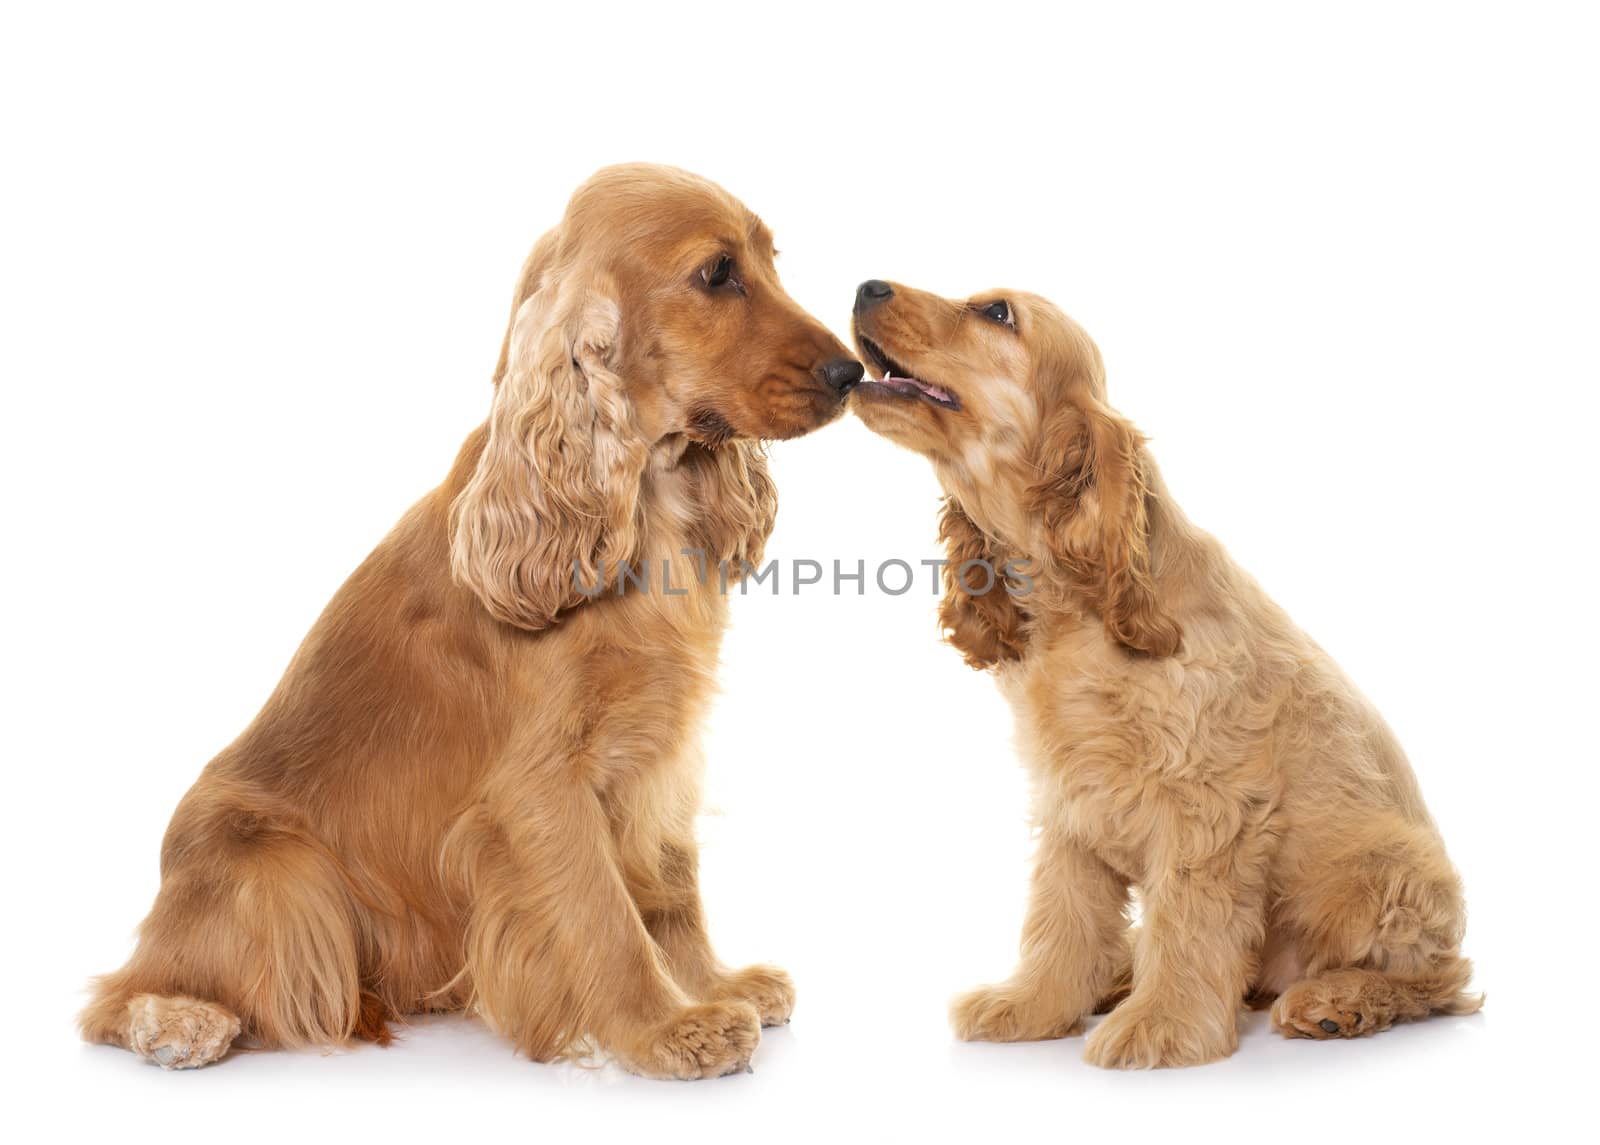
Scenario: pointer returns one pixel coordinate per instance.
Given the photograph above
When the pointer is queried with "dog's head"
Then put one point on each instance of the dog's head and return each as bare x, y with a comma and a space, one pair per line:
1006, 396
651, 316
669, 283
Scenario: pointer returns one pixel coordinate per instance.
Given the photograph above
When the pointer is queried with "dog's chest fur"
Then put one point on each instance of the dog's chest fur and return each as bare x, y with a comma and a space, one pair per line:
638, 710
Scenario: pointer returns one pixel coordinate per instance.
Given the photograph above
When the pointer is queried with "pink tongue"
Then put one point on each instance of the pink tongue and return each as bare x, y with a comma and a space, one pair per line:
925, 387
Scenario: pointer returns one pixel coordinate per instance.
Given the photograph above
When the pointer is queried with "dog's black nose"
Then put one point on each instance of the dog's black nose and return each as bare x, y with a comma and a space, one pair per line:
872, 292
841, 374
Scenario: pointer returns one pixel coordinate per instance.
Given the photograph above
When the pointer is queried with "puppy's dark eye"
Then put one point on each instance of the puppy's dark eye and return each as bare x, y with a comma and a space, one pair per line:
998, 312
718, 273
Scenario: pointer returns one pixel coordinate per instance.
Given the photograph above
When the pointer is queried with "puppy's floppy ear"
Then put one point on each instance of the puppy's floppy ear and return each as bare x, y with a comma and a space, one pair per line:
985, 627
1095, 516
555, 494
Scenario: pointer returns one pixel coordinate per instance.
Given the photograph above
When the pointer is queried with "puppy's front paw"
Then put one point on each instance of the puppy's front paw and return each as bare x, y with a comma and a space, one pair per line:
707, 1040
768, 989
1008, 1013
1146, 1037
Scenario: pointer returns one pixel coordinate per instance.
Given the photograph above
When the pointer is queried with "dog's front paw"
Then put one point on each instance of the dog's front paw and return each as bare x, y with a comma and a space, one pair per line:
1008, 1013
1147, 1037
768, 989
706, 1040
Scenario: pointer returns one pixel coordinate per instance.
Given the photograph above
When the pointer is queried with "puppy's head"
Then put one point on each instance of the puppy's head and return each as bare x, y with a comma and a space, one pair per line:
651, 316
1006, 396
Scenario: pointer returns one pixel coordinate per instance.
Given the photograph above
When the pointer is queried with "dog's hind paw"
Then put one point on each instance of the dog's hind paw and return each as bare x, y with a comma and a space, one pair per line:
179, 1033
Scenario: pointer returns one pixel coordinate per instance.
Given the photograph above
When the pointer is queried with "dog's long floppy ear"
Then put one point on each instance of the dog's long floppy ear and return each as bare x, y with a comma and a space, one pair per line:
551, 509
538, 263
985, 626
740, 505
1094, 510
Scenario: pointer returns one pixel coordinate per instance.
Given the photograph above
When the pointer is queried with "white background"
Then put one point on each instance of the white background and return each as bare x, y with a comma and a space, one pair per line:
1343, 271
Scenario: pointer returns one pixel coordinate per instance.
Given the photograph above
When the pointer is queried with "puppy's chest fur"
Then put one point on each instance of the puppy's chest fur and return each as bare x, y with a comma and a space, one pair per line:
1131, 755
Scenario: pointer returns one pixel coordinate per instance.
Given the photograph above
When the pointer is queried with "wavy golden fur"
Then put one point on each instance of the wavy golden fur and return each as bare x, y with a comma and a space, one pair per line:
1184, 738
475, 785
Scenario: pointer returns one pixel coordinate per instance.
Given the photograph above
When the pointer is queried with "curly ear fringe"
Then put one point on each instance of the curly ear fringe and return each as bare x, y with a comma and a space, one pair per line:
554, 499
986, 628
1095, 510
739, 504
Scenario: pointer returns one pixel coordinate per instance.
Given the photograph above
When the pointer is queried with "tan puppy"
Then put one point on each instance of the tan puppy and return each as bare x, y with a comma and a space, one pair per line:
1184, 737
475, 785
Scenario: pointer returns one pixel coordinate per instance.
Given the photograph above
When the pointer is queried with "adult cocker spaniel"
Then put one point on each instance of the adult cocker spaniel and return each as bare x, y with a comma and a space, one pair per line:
475, 785
1184, 738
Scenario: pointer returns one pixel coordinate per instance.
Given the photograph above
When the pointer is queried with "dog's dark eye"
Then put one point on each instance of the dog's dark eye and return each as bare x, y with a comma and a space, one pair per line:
998, 312
718, 273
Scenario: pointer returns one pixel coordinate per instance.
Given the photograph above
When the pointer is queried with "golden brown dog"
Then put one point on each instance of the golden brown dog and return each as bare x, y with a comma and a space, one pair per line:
475, 784
1184, 738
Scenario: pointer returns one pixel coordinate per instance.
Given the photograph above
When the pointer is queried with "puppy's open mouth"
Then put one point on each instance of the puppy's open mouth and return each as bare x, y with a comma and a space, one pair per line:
898, 380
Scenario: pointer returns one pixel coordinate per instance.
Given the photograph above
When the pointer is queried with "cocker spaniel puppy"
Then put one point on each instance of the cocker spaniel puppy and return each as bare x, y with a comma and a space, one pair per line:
475, 785
1184, 738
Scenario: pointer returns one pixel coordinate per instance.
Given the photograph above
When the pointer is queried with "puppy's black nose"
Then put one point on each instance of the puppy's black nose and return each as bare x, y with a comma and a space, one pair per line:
841, 374
872, 292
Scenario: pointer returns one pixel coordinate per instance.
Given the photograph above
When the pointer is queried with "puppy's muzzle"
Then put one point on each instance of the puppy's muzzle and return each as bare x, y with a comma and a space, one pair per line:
871, 293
